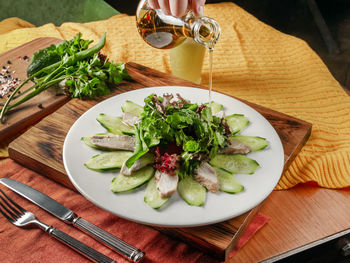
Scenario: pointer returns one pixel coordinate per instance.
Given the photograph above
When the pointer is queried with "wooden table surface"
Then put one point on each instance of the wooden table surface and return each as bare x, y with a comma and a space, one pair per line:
300, 218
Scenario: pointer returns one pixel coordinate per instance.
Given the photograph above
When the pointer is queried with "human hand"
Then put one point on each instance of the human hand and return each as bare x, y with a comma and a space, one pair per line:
178, 7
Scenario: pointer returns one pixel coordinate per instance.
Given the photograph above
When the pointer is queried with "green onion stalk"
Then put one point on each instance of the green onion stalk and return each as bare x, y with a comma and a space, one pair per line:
55, 76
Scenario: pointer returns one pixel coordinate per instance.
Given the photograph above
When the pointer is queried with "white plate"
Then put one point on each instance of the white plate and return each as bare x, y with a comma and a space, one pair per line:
218, 207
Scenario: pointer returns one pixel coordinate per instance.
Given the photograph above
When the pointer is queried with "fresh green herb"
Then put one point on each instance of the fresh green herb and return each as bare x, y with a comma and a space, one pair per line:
54, 53
141, 147
90, 78
83, 71
193, 128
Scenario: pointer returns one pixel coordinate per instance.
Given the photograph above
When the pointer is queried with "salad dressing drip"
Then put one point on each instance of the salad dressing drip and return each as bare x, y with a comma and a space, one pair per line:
210, 73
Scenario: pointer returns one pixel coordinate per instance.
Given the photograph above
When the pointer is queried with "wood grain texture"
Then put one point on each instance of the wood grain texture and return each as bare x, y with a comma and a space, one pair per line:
298, 217
43, 154
28, 113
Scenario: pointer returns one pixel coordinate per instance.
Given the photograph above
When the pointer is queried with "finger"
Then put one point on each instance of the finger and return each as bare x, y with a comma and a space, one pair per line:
178, 7
153, 4
164, 5
198, 7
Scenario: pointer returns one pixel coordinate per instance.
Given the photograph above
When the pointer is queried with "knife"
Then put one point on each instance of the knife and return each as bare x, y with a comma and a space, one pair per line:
68, 216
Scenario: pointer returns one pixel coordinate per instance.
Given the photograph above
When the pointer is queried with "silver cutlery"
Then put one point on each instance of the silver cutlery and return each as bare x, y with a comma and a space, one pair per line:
20, 217
68, 216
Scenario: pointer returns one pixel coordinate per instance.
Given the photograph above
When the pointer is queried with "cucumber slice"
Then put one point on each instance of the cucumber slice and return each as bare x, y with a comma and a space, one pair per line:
228, 183
152, 196
108, 161
138, 164
236, 122
123, 183
132, 107
191, 191
235, 163
115, 124
215, 107
256, 143
87, 141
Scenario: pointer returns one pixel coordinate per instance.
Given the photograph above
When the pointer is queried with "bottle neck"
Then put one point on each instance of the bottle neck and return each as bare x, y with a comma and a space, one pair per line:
205, 31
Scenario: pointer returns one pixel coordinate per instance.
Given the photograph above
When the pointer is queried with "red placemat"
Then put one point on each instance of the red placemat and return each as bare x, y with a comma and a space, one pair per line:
33, 245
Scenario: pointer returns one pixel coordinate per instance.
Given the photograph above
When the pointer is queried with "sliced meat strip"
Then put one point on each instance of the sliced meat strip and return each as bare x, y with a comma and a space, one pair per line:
114, 142
234, 146
206, 176
166, 184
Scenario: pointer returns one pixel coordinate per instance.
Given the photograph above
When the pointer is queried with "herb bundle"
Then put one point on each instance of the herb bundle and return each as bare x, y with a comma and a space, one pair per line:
82, 71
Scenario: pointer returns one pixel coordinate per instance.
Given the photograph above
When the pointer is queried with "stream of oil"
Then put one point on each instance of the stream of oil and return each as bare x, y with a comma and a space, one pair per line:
210, 73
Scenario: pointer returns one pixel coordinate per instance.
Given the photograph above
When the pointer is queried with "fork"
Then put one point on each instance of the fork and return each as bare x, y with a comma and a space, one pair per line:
20, 217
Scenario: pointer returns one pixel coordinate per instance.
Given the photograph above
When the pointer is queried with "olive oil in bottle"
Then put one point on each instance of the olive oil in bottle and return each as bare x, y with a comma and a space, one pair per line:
182, 35
165, 31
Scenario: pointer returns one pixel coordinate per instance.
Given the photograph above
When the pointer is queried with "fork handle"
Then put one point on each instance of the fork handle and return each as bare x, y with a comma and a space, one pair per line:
80, 247
123, 248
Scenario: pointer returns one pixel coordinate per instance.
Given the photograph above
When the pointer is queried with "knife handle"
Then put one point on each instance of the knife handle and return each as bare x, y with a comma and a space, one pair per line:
123, 248
80, 247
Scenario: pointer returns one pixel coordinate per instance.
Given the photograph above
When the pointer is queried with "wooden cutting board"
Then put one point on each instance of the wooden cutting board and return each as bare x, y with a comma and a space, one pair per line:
40, 149
40, 106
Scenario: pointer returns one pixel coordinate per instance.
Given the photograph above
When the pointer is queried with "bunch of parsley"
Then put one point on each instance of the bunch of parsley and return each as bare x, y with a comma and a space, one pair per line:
83, 72
54, 53
91, 78
85, 78
191, 127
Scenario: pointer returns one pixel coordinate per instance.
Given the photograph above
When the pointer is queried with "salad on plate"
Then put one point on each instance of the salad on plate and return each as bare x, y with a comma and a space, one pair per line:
174, 145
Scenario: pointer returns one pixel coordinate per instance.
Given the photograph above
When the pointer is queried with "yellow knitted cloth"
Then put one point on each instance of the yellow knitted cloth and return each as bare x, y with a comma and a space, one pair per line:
252, 61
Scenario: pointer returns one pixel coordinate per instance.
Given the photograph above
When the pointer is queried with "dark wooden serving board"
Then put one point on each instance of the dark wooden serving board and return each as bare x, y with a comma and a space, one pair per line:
29, 112
40, 149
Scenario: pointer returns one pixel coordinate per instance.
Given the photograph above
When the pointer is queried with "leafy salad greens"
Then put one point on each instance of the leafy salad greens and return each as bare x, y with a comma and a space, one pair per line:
193, 128
174, 145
